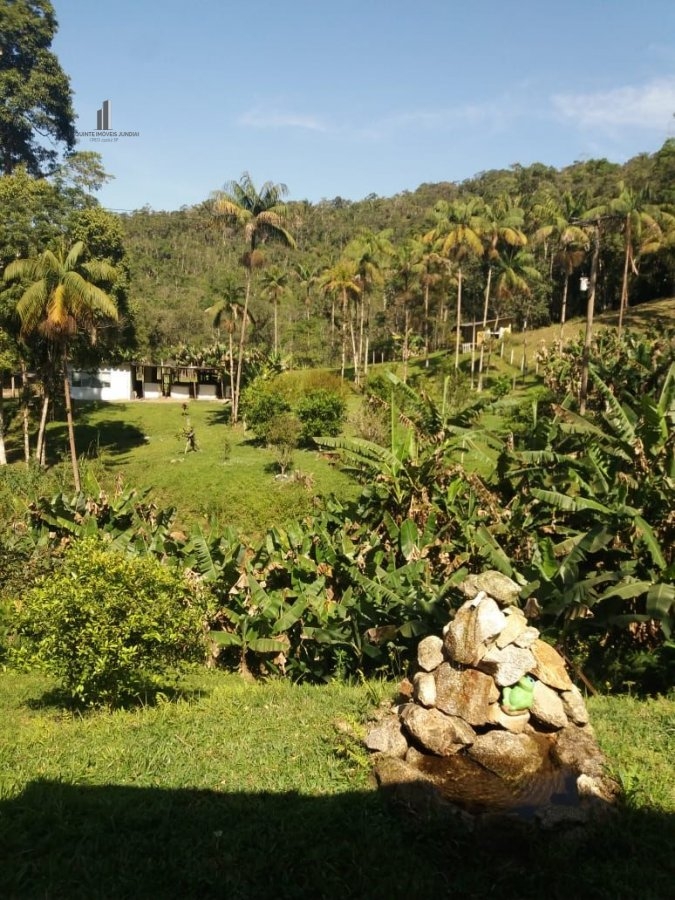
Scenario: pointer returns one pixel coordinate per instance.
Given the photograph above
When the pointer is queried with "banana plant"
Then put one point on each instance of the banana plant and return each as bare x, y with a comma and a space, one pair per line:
596, 502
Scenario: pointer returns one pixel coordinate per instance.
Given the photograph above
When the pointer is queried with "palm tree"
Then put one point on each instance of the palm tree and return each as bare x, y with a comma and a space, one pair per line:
560, 218
225, 312
62, 300
458, 236
261, 215
406, 290
274, 287
590, 312
430, 268
342, 280
370, 251
8, 360
307, 275
504, 221
516, 272
642, 233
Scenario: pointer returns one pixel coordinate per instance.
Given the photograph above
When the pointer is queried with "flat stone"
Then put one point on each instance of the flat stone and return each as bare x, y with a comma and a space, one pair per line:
395, 771
414, 756
527, 637
577, 748
574, 705
516, 624
405, 690
425, 688
511, 756
507, 666
387, 737
430, 652
436, 732
549, 666
476, 622
467, 693
499, 587
516, 724
547, 707
599, 792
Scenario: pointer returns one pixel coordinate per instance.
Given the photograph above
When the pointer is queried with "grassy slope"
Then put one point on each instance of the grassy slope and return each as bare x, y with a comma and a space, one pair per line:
247, 791
647, 317
228, 481
138, 444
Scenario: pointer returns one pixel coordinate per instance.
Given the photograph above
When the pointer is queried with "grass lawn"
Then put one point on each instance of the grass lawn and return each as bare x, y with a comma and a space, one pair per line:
228, 481
240, 790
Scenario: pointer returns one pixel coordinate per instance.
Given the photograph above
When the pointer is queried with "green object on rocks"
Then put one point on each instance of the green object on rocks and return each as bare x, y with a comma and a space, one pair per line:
518, 696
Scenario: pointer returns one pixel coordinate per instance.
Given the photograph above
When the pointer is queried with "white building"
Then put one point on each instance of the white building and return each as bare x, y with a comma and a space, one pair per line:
102, 384
132, 382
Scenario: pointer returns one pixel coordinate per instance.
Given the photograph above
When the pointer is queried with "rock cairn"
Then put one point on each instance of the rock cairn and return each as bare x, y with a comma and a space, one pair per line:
456, 732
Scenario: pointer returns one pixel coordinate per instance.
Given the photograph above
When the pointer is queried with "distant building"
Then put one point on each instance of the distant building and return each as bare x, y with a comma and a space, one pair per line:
102, 384
135, 381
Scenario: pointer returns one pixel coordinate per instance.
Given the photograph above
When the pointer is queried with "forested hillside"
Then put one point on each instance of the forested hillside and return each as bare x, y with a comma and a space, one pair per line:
183, 262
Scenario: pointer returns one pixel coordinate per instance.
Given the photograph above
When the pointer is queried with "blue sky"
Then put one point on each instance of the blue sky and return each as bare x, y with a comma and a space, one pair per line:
352, 97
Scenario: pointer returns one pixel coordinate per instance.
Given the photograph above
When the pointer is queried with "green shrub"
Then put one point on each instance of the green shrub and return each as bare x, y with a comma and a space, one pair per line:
106, 624
322, 413
260, 403
283, 433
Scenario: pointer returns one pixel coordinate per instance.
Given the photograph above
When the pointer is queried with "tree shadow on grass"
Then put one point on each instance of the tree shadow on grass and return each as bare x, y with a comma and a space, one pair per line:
148, 695
110, 842
640, 316
108, 435
222, 415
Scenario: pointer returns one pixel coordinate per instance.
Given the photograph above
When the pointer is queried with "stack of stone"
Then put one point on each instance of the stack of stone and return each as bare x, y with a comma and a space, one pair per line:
458, 730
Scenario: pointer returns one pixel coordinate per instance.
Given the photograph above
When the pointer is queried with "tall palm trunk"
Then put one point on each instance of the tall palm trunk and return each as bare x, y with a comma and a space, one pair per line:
343, 329
41, 447
71, 425
362, 326
624, 284
230, 353
563, 311
3, 452
426, 324
332, 323
25, 412
356, 351
485, 315
406, 332
441, 319
240, 352
590, 311
459, 316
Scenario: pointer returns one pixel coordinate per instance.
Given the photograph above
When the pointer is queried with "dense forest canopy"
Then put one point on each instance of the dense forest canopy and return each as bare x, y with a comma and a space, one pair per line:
180, 260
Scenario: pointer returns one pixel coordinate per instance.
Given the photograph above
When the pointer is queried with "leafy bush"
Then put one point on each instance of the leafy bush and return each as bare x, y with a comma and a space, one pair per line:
321, 412
105, 624
260, 403
283, 433
294, 385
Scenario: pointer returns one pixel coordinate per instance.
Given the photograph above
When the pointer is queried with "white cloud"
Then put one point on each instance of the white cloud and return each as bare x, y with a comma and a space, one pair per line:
649, 106
496, 113
261, 118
